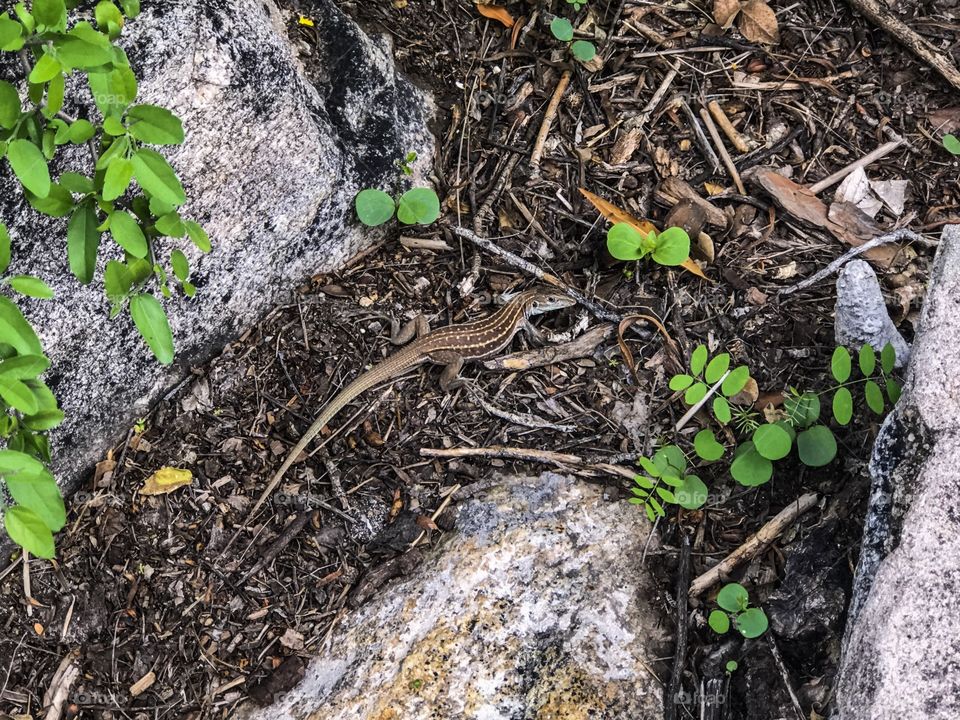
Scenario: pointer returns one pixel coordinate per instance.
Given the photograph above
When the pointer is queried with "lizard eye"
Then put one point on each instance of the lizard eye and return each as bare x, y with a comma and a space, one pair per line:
535, 304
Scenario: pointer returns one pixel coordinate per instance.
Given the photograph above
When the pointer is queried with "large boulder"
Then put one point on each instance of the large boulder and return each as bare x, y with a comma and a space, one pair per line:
537, 607
902, 647
273, 157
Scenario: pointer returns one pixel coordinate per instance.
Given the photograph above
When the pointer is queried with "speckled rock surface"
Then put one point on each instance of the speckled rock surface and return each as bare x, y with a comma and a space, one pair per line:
535, 608
274, 154
861, 314
901, 654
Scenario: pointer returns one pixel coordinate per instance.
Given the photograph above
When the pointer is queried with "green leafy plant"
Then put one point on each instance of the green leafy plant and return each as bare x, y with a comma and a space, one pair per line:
129, 191
405, 164
704, 372
734, 601
666, 482
951, 143
418, 205
577, 4
562, 30
670, 247
732, 666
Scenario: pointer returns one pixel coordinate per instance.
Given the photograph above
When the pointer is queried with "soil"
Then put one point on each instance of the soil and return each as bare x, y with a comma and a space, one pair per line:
155, 590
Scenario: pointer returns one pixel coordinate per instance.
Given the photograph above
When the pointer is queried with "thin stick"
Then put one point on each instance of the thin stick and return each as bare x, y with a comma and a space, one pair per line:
511, 453
728, 129
725, 156
27, 593
703, 401
656, 99
702, 142
870, 157
436, 513
680, 650
895, 236
754, 544
547, 122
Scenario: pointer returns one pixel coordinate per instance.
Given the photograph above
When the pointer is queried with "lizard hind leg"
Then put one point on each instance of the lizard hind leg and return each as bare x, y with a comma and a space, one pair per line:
450, 376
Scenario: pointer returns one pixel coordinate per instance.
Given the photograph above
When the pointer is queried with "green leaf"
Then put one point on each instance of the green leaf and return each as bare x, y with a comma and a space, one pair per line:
43, 421
11, 34
803, 410
81, 131
30, 286
867, 360
51, 14
10, 107
83, 47
154, 125
28, 531
843, 406
117, 281
151, 321
733, 597
117, 178
127, 233
113, 91
29, 166
197, 235
18, 396
735, 381
817, 446
673, 244
57, 202
47, 68
840, 364
105, 13
55, 90
624, 242
584, 51
717, 367
749, 467
874, 397
374, 207
170, 225
706, 446
719, 622
24, 367
772, 442
752, 622
721, 410
131, 8
76, 183
644, 482
16, 331
419, 205
698, 359
952, 144
562, 29
692, 494
39, 493
680, 382
157, 178
4, 248
695, 393
670, 458
83, 241
181, 268
888, 358
648, 465
893, 390
732, 666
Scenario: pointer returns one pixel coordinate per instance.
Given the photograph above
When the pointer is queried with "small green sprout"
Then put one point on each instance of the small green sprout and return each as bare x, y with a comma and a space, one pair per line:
667, 481
577, 4
734, 600
562, 30
405, 163
732, 666
670, 247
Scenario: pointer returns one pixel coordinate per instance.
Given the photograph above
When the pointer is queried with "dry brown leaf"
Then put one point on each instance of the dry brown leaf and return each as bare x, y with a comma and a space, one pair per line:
166, 480
758, 23
495, 12
724, 12
945, 120
748, 395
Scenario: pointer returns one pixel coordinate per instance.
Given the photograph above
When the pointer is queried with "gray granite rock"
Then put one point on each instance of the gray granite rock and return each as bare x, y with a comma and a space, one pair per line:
901, 656
273, 157
861, 314
536, 607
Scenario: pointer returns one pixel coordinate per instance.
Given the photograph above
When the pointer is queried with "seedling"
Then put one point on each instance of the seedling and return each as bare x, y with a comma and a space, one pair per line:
732, 666
577, 4
670, 247
704, 374
667, 481
405, 163
416, 206
562, 29
734, 601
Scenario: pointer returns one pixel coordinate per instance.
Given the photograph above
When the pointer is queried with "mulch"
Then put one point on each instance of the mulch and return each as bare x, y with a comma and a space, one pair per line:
166, 620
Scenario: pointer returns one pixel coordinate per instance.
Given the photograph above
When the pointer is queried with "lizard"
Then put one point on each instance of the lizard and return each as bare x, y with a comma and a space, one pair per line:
451, 346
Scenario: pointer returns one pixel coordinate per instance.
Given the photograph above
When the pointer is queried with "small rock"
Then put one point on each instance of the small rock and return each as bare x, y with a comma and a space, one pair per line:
861, 314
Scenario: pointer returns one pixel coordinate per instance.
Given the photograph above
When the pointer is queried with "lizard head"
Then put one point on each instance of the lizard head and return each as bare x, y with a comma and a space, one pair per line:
545, 300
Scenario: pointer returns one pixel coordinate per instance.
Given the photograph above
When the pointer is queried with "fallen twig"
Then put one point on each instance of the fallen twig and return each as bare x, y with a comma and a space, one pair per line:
754, 544
680, 648
696, 406
870, 157
547, 122
721, 148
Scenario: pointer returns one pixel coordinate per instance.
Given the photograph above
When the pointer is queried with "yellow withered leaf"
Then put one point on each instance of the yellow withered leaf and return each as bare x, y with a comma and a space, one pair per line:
166, 480
615, 215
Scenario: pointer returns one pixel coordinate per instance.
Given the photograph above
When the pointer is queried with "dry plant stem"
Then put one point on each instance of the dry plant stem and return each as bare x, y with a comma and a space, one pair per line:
703, 401
754, 544
511, 453
547, 122
784, 675
870, 157
909, 39
529, 421
895, 236
680, 613
583, 346
55, 698
728, 129
528, 267
702, 141
725, 156
436, 513
27, 596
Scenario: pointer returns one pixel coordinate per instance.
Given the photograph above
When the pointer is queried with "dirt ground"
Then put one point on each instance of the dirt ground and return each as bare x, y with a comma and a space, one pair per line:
156, 590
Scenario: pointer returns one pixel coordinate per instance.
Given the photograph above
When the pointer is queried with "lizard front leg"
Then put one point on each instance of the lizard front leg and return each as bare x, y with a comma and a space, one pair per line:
418, 327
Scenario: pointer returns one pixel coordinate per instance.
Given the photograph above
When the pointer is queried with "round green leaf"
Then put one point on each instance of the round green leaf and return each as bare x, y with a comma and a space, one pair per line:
670, 458
40, 494
867, 360
721, 410
717, 367
719, 622
752, 622
695, 394
419, 205
151, 321
29, 532
732, 666
673, 246
735, 381
843, 406
706, 446
29, 166
951, 143
772, 442
888, 358
733, 597
584, 51
840, 364
698, 359
624, 242
873, 396
374, 207
816, 446
30, 286
750, 468
127, 233
691, 494
680, 382
561, 29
